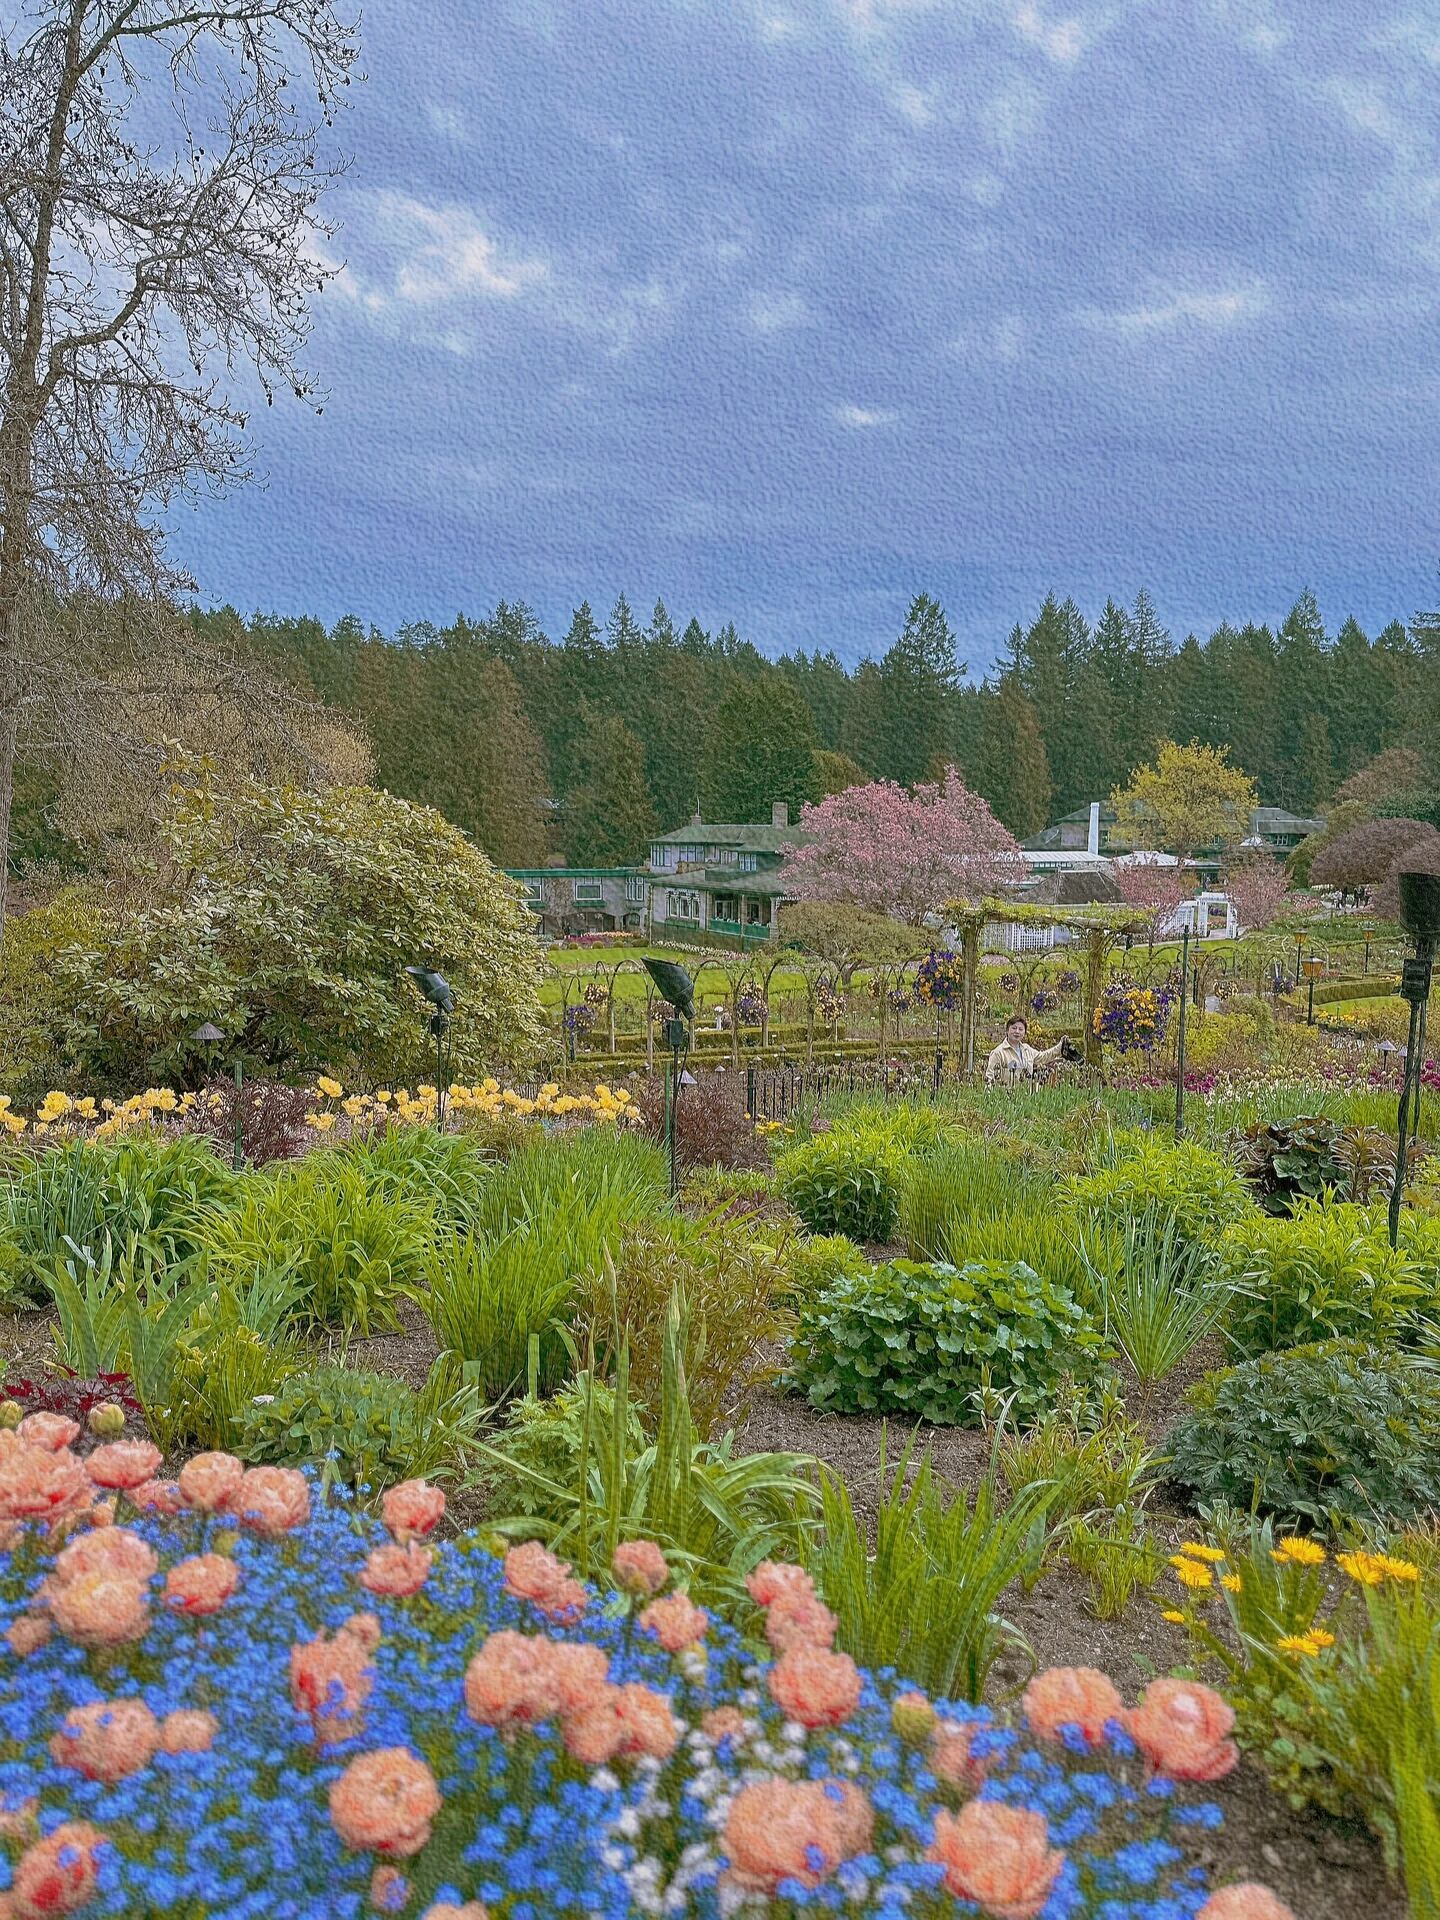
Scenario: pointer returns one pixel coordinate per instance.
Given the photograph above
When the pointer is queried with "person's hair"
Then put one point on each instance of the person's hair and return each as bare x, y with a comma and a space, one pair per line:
1018, 1019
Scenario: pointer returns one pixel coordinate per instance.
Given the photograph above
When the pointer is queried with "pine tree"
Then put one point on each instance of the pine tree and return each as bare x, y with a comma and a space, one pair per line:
759, 748
1010, 768
608, 819
918, 677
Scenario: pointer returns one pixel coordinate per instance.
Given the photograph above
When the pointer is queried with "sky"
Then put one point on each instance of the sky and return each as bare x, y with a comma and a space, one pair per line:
786, 310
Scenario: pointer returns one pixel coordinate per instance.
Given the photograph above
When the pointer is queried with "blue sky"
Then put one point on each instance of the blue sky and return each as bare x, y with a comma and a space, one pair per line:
784, 310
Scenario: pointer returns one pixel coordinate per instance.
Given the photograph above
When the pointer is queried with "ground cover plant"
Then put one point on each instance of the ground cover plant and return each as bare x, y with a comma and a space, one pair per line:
565, 1754
951, 1345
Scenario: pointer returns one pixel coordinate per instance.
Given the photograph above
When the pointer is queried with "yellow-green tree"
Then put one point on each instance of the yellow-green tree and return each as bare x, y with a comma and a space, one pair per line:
1191, 797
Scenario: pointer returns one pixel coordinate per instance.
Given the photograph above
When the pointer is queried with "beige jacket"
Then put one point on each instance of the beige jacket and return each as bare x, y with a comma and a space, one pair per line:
1009, 1064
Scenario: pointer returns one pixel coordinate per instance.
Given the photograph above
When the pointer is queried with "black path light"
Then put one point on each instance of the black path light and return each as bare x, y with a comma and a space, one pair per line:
436, 989
210, 1036
1420, 917
674, 984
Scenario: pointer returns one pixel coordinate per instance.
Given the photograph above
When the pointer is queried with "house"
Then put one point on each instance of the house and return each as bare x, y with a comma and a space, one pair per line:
1076, 839
719, 883
584, 899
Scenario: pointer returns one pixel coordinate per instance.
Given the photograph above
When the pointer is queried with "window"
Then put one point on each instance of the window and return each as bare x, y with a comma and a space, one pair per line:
635, 888
727, 907
747, 863
588, 890
753, 915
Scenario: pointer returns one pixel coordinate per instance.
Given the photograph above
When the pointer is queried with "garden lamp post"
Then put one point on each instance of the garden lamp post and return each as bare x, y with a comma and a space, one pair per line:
1313, 969
1420, 917
210, 1036
1180, 1032
436, 990
674, 984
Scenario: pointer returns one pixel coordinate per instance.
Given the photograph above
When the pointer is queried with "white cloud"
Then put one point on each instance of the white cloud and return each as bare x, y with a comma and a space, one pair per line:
445, 252
1220, 308
1059, 40
775, 312
853, 416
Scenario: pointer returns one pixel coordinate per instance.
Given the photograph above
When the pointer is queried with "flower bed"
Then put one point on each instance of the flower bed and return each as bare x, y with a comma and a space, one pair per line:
222, 1699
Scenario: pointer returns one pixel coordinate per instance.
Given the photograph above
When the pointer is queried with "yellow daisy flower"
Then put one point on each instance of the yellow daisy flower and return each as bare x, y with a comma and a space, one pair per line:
1175, 1619
1231, 1582
1363, 1568
1398, 1569
1300, 1644
1197, 1552
1297, 1552
1189, 1574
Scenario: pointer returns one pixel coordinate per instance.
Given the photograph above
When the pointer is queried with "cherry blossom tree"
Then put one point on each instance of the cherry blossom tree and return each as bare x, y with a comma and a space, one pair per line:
1154, 889
905, 854
1259, 890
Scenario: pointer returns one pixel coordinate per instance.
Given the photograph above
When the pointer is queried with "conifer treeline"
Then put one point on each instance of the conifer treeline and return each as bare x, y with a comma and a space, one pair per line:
586, 745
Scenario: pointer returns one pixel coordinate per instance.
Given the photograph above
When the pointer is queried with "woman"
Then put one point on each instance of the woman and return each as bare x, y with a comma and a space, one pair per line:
1015, 1059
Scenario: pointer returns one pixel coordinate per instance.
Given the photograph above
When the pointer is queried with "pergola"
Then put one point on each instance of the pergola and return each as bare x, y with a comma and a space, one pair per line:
1099, 926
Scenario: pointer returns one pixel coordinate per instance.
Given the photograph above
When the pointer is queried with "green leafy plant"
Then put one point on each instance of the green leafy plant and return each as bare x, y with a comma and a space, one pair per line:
1199, 1189
844, 1183
1158, 1293
1325, 1271
444, 1172
815, 1259
1288, 1161
542, 1439
1117, 1557
501, 1304
1094, 1457
713, 1510
924, 1599
155, 1193
1337, 1428
592, 1167
353, 1248
944, 1344
367, 1430
1044, 1239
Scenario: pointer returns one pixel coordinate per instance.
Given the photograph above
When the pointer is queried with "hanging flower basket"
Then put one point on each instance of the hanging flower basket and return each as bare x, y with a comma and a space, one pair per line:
1132, 1019
940, 981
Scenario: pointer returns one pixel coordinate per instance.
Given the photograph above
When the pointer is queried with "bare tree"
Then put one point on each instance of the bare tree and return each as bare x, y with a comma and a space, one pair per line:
160, 173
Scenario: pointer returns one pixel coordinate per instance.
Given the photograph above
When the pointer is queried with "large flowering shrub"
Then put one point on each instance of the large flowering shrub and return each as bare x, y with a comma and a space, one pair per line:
223, 1701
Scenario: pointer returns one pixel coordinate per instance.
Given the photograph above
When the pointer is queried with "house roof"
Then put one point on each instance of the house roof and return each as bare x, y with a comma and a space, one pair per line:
752, 836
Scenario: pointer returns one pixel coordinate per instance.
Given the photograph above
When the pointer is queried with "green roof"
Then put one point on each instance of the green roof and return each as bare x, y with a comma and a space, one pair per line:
753, 837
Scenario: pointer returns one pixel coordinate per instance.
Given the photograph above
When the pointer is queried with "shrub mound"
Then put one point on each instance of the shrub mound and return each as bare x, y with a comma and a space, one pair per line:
1337, 1427
317, 1721
943, 1344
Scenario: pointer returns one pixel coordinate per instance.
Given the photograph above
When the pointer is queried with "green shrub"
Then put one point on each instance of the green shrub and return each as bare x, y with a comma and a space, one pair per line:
944, 1344
1048, 1241
35, 1000
945, 1190
923, 1600
1158, 1293
1335, 1428
732, 1276
1200, 1189
160, 1194
502, 1303
1325, 1272
815, 1259
368, 1430
1095, 1458
844, 1183
445, 1172
353, 1249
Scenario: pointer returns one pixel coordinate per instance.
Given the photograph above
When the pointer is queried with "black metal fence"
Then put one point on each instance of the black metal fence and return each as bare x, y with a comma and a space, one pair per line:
774, 1093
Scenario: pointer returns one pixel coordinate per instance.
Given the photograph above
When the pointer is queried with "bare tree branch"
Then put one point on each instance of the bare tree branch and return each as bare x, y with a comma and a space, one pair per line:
124, 260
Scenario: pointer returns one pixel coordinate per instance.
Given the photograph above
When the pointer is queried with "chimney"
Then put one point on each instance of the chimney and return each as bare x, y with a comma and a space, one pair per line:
780, 814
1092, 845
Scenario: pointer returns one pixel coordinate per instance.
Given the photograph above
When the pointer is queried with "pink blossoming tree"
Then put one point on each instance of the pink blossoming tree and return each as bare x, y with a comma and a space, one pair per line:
1154, 889
1259, 890
903, 854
